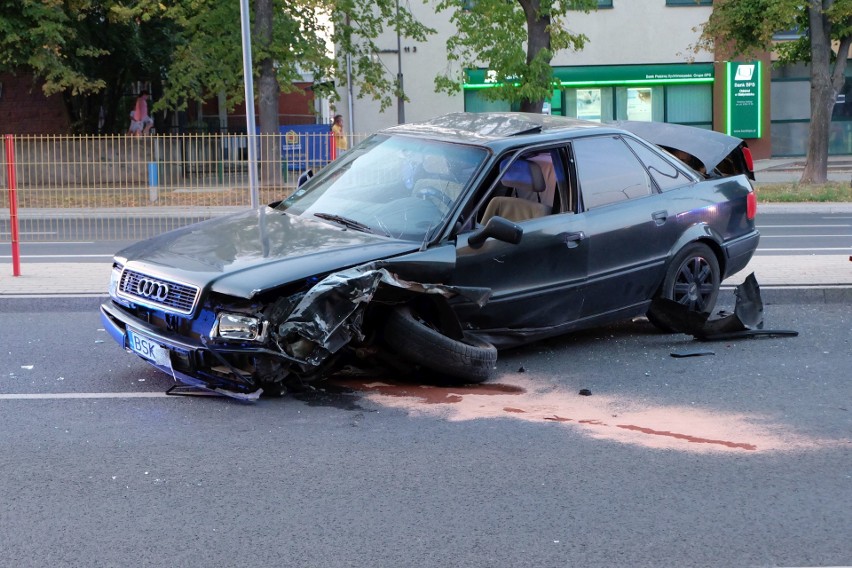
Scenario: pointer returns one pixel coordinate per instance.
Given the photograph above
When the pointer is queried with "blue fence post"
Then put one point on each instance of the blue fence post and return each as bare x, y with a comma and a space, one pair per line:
153, 181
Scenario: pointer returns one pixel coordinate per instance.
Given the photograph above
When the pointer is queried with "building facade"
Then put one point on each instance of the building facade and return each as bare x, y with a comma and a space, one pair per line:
649, 73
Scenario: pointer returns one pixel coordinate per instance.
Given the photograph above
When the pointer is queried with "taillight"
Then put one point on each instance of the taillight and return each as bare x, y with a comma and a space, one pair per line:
751, 206
748, 159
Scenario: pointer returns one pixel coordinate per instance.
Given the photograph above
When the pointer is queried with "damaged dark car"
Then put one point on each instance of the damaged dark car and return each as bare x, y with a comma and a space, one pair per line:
431, 246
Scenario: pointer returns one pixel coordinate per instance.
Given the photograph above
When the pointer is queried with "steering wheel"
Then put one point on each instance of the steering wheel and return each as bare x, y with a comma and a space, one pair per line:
436, 196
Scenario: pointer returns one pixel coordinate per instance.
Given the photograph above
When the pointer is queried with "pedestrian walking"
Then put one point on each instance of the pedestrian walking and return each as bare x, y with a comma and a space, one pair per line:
140, 122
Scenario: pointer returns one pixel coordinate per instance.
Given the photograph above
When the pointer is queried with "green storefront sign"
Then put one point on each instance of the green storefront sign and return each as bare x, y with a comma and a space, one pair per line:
594, 75
743, 99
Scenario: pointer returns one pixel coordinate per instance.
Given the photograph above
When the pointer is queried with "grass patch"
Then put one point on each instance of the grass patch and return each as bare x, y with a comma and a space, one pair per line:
803, 193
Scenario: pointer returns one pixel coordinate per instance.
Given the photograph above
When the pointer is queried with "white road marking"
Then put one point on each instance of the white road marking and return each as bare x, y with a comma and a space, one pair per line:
59, 243
62, 256
844, 249
762, 236
800, 226
81, 395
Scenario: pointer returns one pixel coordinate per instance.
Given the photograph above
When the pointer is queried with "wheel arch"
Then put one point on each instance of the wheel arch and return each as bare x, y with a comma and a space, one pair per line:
700, 233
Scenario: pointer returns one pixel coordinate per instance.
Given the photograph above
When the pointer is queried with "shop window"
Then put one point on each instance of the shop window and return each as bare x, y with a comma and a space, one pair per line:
790, 100
689, 104
475, 101
589, 104
640, 103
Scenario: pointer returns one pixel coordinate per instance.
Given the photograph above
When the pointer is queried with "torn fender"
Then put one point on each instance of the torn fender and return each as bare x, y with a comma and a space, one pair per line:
330, 314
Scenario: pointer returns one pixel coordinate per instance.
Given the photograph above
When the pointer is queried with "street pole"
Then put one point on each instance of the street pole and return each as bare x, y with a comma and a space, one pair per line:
400, 98
251, 128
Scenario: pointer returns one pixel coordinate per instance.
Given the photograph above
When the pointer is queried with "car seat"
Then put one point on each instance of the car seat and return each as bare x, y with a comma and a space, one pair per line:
523, 177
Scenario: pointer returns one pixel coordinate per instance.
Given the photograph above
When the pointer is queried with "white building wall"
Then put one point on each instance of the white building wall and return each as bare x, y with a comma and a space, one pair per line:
631, 32
637, 32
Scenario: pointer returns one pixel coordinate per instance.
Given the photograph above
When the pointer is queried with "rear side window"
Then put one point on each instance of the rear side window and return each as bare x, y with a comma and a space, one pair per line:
608, 172
664, 172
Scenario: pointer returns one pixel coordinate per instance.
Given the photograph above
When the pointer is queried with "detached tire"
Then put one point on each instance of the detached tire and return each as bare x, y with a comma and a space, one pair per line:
470, 359
692, 280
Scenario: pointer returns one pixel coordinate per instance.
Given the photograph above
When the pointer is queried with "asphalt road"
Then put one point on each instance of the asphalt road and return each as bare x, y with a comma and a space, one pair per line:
91, 240
740, 458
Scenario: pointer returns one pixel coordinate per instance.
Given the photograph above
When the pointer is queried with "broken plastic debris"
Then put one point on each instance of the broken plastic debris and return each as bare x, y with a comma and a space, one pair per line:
746, 321
585, 392
692, 353
27, 367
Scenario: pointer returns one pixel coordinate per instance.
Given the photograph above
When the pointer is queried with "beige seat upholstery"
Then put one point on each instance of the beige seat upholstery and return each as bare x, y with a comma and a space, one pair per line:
514, 209
526, 178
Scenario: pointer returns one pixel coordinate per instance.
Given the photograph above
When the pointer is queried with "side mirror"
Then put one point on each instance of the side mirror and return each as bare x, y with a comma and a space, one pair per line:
306, 175
497, 228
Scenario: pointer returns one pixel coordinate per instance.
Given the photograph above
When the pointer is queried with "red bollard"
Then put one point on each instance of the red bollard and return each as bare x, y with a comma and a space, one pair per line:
13, 204
332, 146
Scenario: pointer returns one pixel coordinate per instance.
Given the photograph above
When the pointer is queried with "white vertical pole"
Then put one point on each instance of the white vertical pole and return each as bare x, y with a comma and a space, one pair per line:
251, 129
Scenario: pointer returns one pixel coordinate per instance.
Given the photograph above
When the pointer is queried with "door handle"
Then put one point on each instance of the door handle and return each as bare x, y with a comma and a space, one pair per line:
660, 217
572, 240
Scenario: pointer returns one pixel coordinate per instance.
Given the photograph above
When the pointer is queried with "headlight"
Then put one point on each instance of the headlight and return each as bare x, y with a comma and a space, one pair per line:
238, 326
114, 282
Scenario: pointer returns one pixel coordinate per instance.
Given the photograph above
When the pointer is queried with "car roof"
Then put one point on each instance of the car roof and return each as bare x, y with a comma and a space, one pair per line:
498, 128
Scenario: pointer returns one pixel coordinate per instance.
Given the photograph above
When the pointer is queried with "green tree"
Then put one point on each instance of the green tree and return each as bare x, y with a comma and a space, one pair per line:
87, 51
746, 27
289, 39
515, 40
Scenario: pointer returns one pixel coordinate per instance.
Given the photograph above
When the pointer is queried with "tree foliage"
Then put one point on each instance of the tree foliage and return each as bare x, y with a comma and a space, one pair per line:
746, 27
515, 41
210, 59
85, 50
91, 51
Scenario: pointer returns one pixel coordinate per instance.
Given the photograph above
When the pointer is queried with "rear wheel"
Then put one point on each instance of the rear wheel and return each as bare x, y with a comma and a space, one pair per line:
692, 280
469, 359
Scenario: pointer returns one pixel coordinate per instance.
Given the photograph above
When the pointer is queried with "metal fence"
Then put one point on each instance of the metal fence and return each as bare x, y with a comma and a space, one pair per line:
127, 187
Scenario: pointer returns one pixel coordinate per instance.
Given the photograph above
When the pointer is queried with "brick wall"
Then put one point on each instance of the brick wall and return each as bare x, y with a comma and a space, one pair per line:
24, 109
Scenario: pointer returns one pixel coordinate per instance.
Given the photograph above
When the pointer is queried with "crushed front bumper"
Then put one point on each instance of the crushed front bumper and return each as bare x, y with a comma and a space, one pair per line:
185, 357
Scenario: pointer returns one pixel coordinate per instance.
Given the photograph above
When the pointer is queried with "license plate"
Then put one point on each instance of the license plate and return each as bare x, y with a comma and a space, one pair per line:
148, 349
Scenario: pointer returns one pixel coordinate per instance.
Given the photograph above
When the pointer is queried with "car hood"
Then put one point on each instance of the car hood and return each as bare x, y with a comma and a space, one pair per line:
245, 253
709, 146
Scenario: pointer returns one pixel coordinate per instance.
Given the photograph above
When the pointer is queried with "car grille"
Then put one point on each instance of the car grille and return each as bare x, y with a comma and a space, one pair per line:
165, 294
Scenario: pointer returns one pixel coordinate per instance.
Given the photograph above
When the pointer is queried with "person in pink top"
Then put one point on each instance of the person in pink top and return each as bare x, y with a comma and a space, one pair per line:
140, 122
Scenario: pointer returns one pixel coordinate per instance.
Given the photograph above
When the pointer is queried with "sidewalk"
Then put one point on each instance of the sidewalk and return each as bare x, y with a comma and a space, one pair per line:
820, 277
803, 273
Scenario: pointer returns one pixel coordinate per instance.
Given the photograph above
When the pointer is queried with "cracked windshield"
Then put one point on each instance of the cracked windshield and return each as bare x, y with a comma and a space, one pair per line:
393, 186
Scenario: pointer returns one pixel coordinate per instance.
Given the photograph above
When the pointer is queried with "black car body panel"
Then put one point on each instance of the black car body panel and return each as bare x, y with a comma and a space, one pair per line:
500, 227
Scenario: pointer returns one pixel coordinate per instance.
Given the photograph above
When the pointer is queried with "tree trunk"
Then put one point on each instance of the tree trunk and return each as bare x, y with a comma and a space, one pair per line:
823, 94
268, 91
538, 39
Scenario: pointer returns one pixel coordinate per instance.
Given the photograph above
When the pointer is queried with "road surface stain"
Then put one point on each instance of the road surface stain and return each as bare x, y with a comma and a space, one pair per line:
642, 423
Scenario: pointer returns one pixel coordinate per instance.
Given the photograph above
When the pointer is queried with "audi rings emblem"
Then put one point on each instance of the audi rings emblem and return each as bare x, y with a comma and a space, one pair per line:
152, 289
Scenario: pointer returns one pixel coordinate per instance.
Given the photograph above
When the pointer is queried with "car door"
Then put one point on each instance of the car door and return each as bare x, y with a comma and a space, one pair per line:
535, 284
627, 222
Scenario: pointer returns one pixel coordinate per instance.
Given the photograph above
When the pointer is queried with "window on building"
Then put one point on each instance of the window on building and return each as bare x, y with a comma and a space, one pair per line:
689, 2
608, 172
603, 4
